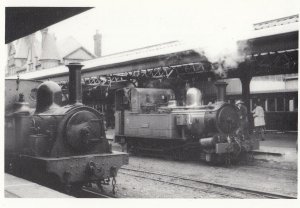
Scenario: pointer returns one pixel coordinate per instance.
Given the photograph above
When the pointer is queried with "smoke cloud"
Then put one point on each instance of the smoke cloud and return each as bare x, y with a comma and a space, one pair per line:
222, 50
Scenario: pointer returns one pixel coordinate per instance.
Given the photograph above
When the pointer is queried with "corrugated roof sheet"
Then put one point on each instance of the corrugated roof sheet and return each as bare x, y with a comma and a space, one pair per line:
276, 22
272, 31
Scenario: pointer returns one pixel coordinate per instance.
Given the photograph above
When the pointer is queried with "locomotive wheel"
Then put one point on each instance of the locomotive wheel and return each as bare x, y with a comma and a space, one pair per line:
178, 154
217, 159
51, 180
133, 150
74, 189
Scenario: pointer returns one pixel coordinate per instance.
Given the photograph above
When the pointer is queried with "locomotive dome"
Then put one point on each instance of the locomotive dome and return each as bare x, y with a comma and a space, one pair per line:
193, 97
49, 94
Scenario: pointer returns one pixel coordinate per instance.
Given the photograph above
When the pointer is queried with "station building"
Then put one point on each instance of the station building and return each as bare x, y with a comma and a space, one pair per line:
29, 54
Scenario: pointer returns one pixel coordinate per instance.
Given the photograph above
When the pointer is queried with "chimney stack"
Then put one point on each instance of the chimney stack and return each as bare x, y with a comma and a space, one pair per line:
75, 94
44, 33
49, 55
221, 90
97, 44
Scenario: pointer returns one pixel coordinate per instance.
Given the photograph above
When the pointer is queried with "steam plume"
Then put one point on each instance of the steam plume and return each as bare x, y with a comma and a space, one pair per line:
222, 50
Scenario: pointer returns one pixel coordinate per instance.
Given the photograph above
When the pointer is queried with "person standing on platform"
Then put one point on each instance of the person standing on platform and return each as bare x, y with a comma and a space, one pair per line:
243, 116
259, 120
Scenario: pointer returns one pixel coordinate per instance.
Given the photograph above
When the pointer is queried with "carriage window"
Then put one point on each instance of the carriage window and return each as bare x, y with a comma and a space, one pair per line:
291, 105
271, 104
280, 104
286, 104
263, 103
254, 100
231, 101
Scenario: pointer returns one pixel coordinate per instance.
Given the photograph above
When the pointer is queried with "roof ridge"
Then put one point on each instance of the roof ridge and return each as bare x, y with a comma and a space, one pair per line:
145, 47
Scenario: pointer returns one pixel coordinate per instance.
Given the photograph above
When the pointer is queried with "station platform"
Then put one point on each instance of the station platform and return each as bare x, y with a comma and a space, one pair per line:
279, 146
15, 187
282, 146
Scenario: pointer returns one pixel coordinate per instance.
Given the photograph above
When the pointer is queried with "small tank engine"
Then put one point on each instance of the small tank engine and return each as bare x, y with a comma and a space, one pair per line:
63, 144
149, 119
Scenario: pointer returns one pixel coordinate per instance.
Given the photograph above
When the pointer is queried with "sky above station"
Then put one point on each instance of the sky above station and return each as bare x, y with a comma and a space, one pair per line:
131, 24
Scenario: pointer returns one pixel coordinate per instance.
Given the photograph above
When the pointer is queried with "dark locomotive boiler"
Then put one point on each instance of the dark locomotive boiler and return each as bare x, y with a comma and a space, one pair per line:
62, 145
149, 121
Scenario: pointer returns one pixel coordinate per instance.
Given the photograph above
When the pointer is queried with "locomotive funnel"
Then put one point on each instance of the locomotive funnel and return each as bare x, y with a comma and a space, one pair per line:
221, 90
75, 94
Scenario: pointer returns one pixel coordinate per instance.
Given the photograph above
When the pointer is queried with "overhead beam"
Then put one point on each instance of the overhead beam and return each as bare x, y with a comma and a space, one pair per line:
186, 57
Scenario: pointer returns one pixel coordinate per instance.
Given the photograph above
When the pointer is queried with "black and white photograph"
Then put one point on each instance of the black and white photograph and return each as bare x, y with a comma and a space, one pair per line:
131, 99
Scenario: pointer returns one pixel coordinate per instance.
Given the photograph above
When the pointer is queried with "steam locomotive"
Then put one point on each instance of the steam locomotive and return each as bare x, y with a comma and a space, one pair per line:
149, 121
64, 147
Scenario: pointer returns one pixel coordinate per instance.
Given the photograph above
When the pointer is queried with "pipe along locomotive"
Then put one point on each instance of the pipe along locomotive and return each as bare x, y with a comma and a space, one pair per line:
149, 121
64, 147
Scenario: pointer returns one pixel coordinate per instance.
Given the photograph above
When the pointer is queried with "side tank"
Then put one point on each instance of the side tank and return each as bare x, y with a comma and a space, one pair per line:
201, 120
220, 117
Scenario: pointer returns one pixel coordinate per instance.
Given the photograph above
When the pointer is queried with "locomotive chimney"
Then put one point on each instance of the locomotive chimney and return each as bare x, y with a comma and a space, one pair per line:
75, 96
221, 90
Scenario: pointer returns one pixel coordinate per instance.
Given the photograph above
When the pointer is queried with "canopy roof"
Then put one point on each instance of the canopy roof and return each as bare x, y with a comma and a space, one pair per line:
35, 18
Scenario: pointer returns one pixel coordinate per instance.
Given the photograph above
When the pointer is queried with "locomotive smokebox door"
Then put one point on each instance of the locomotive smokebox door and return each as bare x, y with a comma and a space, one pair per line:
84, 131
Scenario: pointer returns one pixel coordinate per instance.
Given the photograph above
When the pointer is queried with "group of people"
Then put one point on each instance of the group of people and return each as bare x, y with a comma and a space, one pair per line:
259, 120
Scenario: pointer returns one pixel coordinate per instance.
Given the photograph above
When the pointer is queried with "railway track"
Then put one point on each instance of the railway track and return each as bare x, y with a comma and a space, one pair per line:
286, 169
203, 186
94, 193
279, 167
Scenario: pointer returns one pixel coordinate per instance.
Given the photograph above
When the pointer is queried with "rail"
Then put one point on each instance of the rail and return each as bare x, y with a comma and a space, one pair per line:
258, 193
89, 193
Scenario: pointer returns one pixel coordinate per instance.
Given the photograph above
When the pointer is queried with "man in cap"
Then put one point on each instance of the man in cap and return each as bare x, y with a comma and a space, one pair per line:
243, 116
